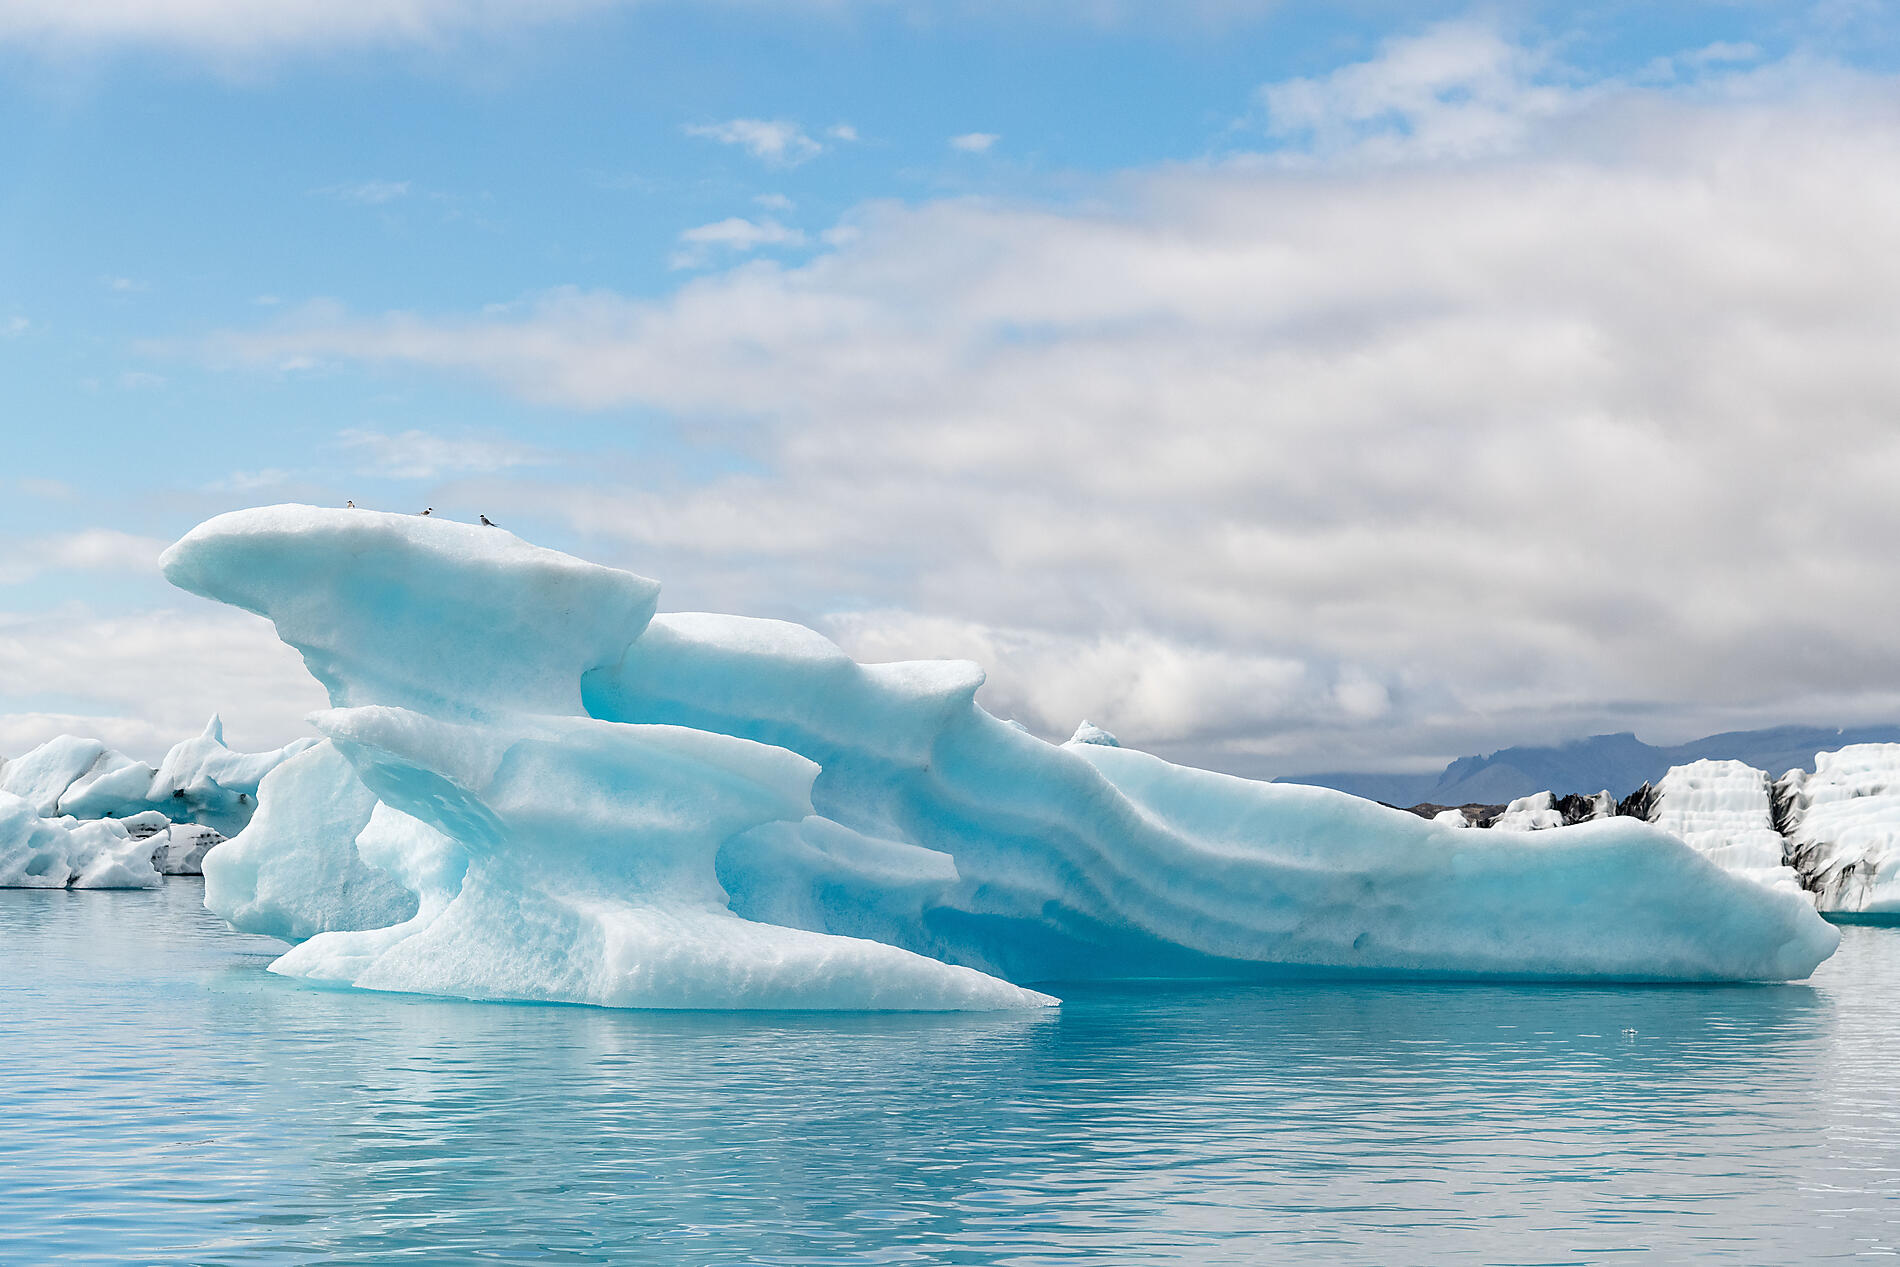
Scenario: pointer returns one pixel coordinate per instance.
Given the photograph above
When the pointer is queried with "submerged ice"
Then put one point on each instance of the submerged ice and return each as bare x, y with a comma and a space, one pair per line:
532, 787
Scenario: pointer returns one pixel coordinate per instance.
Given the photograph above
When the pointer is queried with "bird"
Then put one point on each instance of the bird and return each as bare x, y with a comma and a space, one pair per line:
349, 505
429, 511
487, 522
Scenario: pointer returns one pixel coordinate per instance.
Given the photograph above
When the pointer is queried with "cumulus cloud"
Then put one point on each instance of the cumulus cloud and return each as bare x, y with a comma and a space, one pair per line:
778, 142
1572, 411
974, 142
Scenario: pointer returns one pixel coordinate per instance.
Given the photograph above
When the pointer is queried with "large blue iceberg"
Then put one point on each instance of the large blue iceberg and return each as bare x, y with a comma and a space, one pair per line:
532, 787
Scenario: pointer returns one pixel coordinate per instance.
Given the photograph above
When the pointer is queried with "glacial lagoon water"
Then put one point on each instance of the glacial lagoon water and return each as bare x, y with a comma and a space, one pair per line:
167, 1100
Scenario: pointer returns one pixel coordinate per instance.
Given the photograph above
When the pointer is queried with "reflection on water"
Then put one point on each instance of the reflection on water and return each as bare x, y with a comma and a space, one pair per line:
166, 1099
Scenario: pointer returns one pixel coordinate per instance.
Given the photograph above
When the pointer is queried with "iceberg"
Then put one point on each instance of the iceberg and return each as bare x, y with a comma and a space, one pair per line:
531, 786
1724, 810
37, 852
1832, 834
199, 781
107, 820
1843, 830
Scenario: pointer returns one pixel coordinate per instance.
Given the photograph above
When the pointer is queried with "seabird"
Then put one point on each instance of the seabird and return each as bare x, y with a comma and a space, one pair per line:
487, 522
429, 511
349, 505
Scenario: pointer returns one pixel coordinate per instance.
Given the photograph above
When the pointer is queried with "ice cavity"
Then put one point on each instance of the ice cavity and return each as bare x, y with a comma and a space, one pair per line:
1843, 825
296, 871
591, 804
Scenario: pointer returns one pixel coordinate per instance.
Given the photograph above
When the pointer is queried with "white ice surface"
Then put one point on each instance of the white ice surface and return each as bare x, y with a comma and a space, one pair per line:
1722, 809
37, 852
1529, 813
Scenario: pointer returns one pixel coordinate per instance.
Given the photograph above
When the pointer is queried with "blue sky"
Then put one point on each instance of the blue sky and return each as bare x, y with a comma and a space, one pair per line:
1283, 386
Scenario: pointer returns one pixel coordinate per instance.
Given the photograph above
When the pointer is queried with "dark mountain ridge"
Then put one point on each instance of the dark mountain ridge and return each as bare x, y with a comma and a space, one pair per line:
1620, 763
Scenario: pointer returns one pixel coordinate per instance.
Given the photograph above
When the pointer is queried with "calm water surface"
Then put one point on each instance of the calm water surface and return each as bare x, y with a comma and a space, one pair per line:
166, 1100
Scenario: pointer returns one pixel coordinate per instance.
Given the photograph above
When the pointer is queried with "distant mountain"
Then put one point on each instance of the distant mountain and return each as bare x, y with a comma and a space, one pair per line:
1622, 763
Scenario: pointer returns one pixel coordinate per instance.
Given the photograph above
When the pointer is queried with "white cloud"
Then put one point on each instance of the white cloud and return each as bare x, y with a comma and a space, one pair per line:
93, 550
732, 234
14, 327
422, 455
1163, 689
225, 27
774, 202
142, 680
843, 132
974, 142
1459, 89
368, 193
778, 142
252, 481
1578, 417
21, 732
1723, 53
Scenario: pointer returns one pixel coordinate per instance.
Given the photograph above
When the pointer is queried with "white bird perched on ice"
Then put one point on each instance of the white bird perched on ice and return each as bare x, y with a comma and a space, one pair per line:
429, 511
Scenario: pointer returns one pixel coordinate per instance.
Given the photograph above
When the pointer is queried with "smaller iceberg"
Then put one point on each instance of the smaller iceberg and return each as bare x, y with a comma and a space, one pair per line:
1724, 810
95, 818
1843, 830
37, 852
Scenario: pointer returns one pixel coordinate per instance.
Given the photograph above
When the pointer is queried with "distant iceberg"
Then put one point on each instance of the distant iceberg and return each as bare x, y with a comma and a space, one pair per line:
1831, 834
77, 814
531, 787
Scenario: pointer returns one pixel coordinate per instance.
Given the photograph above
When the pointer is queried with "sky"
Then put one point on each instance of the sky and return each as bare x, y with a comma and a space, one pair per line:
1285, 387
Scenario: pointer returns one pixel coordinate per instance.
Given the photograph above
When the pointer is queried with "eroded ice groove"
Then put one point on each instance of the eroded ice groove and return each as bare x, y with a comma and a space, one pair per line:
1843, 825
593, 804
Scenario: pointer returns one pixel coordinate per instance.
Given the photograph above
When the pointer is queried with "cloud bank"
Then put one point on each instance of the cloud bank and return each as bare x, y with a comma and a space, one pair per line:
1476, 405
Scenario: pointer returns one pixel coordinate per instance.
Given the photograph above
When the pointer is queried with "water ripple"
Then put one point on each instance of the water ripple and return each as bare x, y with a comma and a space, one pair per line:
168, 1100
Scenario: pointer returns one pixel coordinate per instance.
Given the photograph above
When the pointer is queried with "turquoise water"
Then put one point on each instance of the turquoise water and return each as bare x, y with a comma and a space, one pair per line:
167, 1100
